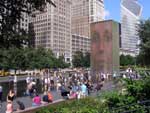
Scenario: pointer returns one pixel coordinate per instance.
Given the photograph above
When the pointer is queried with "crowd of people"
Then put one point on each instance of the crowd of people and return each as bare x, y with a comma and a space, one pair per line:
72, 85
131, 74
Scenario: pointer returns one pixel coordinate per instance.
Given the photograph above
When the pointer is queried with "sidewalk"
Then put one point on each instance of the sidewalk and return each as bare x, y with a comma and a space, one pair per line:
27, 101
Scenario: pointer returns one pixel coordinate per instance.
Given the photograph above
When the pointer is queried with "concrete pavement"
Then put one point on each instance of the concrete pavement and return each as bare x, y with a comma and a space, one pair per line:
28, 100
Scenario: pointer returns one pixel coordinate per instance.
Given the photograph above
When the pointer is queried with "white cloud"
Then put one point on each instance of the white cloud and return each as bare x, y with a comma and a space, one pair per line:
106, 14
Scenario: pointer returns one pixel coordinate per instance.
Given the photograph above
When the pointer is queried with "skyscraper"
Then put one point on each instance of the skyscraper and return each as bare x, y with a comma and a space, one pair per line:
84, 12
130, 14
53, 28
80, 43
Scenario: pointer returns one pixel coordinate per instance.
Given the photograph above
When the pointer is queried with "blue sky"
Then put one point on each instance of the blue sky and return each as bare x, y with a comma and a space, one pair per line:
112, 8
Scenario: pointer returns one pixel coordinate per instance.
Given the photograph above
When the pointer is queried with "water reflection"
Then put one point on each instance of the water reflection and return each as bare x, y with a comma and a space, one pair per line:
18, 87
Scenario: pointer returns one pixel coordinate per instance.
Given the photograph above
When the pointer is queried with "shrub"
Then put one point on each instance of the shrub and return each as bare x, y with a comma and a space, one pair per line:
87, 105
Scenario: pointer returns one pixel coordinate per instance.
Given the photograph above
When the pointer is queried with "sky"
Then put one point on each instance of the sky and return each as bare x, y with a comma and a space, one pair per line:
112, 9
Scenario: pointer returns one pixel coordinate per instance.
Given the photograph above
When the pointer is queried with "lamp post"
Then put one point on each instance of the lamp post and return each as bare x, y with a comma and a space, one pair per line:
15, 84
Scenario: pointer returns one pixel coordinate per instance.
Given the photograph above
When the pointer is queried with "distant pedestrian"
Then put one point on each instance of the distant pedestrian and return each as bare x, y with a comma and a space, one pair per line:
28, 79
114, 75
10, 96
84, 90
64, 92
98, 87
1, 93
124, 76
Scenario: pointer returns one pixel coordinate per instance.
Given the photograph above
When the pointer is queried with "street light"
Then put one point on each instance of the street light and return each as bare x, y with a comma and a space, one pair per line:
15, 84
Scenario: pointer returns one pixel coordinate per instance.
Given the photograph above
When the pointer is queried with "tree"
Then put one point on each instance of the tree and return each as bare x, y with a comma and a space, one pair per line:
78, 59
86, 60
29, 58
13, 58
127, 60
144, 34
4, 59
81, 60
11, 13
31, 36
60, 63
17, 59
39, 58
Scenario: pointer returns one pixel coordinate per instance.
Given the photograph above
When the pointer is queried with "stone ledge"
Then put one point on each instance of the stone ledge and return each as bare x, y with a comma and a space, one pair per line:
34, 109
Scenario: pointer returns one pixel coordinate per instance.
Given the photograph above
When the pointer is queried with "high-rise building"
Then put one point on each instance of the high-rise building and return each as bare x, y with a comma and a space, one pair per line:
53, 28
96, 10
80, 43
130, 14
84, 12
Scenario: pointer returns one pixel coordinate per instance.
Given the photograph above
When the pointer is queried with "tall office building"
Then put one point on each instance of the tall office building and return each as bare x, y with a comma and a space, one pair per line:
130, 14
53, 28
84, 12
80, 43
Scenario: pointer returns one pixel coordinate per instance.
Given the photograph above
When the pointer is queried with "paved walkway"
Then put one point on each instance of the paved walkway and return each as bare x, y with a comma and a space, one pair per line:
28, 101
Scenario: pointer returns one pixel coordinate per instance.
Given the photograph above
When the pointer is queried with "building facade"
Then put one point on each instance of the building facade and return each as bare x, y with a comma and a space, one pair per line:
85, 12
130, 14
53, 28
127, 52
80, 43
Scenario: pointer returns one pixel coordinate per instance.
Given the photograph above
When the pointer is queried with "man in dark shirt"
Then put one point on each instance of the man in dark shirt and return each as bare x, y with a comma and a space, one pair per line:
64, 92
45, 98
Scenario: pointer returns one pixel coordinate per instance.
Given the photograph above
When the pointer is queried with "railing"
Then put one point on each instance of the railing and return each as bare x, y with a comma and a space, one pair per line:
139, 107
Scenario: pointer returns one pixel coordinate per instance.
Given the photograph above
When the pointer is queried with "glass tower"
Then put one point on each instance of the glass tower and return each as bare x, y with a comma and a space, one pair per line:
130, 15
